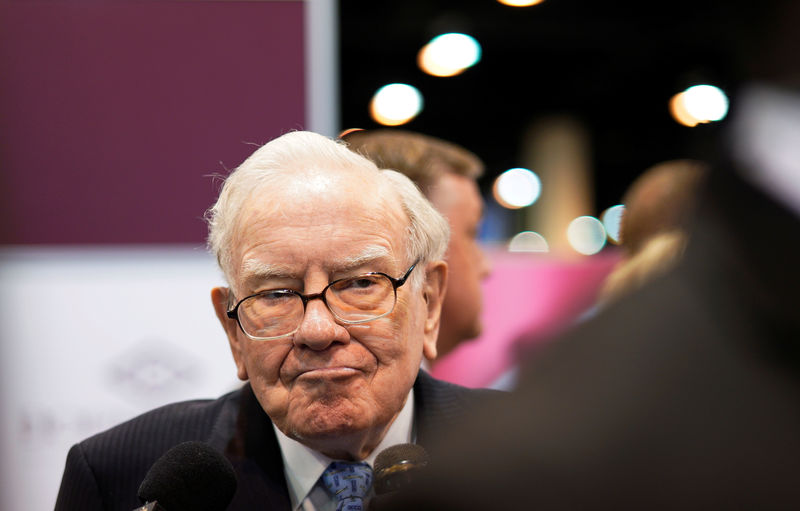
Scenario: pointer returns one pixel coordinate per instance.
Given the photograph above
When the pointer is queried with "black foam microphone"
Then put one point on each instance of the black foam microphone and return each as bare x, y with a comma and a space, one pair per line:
397, 466
191, 476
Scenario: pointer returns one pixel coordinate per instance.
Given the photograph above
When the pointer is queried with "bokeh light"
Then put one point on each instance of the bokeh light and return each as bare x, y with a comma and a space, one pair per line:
346, 132
449, 54
678, 110
612, 219
395, 104
517, 188
587, 235
528, 241
699, 104
520, 3
706, 103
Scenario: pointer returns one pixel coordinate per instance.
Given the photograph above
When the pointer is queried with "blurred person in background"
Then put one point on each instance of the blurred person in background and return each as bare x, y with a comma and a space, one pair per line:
446, 173
685, 393
653, 228
653, 236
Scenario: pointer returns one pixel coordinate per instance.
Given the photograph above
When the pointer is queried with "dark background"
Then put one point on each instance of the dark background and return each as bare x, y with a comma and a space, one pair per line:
611, 65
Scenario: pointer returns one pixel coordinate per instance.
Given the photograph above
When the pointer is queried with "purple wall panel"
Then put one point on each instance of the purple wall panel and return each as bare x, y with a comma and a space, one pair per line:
114, 114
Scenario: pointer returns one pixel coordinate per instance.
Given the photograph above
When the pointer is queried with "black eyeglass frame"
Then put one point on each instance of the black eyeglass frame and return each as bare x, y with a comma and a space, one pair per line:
396, 283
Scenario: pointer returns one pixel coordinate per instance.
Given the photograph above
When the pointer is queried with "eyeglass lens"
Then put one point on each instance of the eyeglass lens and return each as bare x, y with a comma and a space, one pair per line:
280, 312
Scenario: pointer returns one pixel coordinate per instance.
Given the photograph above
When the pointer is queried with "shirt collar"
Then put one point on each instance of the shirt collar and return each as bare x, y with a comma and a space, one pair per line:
304, 466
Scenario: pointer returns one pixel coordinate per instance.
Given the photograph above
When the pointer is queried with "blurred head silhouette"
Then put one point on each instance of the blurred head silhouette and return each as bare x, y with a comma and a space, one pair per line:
653, 229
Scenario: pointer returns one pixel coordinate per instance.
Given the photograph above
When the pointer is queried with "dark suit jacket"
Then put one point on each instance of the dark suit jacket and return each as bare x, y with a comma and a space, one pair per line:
684, 395
105, 471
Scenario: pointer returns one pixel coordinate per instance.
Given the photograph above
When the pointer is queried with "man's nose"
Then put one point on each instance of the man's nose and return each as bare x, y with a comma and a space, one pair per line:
319, 328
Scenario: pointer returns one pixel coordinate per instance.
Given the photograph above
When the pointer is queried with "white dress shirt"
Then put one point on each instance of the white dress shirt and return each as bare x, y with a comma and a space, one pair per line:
303, 466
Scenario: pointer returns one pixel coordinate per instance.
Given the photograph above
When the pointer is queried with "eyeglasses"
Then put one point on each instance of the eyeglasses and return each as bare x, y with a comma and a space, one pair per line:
277, 313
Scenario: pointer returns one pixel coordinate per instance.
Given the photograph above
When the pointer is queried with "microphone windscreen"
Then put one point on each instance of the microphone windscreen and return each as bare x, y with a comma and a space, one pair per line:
191, 476
397, 465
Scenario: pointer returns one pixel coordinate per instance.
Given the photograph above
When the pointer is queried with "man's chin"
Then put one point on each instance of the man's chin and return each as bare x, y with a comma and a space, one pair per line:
325, 423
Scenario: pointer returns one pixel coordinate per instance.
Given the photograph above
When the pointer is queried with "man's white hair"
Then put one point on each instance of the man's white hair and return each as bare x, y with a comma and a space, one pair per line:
296, 153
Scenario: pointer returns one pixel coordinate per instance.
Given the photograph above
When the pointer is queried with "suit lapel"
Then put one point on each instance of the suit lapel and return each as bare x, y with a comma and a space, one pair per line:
246, 436
436, 406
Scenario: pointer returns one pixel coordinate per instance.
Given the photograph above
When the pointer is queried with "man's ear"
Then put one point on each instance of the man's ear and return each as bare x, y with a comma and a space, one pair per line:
219, 297
433, 290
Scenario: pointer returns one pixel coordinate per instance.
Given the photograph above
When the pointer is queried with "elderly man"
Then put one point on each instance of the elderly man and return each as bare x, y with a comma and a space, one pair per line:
446, 174
336, 282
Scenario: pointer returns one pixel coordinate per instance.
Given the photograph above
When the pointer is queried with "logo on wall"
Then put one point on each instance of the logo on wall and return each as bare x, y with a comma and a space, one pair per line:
154, 371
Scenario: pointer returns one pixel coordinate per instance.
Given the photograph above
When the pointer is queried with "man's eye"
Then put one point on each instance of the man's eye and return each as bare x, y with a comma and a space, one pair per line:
275, 296
357, 284
361, 283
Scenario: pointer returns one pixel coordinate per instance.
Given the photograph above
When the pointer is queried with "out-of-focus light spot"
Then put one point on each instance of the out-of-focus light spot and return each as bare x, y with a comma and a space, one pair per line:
528, 241
699, 104
517, 188
520, 3
678, 110
449, 54
586, 235
611, 219
395, 104
348, 131
706, 103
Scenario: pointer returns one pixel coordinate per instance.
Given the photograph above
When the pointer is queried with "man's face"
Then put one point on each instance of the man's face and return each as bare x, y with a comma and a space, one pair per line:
457, 198
332, 386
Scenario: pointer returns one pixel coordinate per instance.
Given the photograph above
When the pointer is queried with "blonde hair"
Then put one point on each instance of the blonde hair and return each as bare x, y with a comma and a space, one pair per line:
655, 257
654, 233
294, 154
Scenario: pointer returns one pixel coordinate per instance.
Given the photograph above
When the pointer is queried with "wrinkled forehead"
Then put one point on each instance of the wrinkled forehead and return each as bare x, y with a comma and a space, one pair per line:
350, 202
315, 189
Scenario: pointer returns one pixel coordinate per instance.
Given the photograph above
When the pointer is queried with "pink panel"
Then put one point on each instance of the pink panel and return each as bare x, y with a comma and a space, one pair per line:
525, 294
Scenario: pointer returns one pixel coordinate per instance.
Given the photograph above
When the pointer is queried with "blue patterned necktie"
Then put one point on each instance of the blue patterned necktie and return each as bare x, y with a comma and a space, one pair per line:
349, 482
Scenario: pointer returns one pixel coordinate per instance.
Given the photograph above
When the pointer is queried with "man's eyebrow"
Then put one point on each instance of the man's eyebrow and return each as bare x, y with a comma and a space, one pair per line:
368, 255
253, 269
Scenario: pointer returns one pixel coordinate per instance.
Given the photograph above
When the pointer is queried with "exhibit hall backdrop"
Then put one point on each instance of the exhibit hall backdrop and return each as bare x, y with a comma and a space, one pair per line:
116, 120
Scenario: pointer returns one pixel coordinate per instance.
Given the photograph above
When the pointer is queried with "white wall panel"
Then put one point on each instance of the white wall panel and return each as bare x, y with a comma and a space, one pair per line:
91, 337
